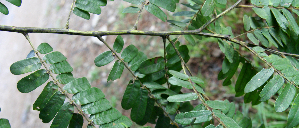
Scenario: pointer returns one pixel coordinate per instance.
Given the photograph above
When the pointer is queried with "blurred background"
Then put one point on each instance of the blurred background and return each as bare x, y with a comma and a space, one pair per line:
206, 57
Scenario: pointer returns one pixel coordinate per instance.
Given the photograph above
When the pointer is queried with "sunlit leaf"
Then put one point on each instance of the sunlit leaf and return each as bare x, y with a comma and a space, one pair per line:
77, 85
32, 81
106, 116
258, 80
182, 97
25, 66
91, 95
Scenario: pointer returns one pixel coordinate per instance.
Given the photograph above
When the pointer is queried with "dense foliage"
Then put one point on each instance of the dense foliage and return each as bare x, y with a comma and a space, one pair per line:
155, 95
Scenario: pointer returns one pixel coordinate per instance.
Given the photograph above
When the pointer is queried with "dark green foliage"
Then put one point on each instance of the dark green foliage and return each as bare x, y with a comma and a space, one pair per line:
155, 10
76, 121
87, 96
45, 96
104, 58
32, 81
25, 66
63, 117
77, 85
106, 116
3, 9
129, 53
61, 67
130, 95
139, 108
118, 44
54, 57
44, 48
116, 71
4, 123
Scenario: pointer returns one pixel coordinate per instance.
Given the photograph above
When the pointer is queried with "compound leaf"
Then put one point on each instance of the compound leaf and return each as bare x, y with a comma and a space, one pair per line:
106, 116
45, 96
32, 81
54, 57
104, 58
91, 95
182, 97
258, 80
189, 117
63, 117
293, 117
116, 71
81, 13
130, 95
25, 66
44, 48
77, 85
118, 44
156, 11
96, 107
52, 107
129, 53
169, 5
61, 67
271, 87
285, 98
76, 121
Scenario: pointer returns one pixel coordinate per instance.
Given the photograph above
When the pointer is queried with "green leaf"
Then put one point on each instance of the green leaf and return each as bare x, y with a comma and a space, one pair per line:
96, 107
194, 6
25, 66
285, 98
135, 63
190, 39
246, 22
118, 44
169, 5
44, 48
229, 52
135, 1
247, 72
32, 81
129, 53
293, 117
229, 122
148, 111
116, 71
76, 121
61, 67
122, 122
30, 54
286, 3
164, 122
208, 8
106, 116
139, 107
258, 34
223, 2
218, 104
260, 12
258, 80
81, 13
271, 87
131, 9
77, 85
153, 85
179, 82
3, 9
92, 6
295, 3
196, 80
130, 95
4, 123
52, 107
63, 117
182, 97
156, 11
15, 2
91, 95
281, 20
266, 33
45, 96
152, 65
185, 13
65, 78
54, 57
179, 75
275, 35
199, 2
104, 58
291, 20
198, 116
172, 107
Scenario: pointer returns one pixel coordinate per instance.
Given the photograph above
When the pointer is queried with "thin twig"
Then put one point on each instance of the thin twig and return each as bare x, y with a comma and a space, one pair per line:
139, 15
56, 81
69, 16
135, 77
254, 6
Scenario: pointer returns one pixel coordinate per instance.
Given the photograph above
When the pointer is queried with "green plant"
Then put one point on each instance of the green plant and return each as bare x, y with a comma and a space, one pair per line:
155, 95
